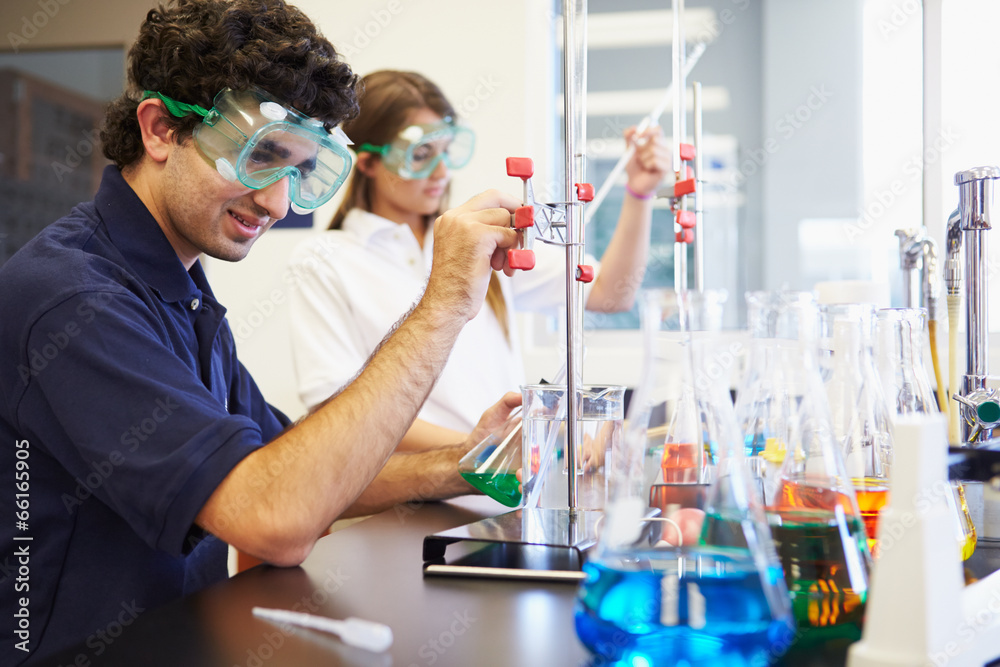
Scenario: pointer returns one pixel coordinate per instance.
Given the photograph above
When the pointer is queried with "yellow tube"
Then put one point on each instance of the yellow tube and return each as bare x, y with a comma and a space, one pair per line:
942, 392
954, 426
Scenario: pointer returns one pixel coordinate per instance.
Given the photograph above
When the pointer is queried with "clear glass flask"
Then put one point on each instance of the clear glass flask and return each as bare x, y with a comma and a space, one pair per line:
900, 336
675, 584
901, 333
811, 505
858, 408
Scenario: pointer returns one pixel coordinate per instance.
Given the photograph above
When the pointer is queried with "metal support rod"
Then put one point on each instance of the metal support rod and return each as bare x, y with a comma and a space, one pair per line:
573, 227
933, 170
679, 112
699, 200
677, 54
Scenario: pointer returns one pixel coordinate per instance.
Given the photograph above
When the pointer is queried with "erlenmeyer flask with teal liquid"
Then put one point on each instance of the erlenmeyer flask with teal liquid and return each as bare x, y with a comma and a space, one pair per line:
682, 588
812, 509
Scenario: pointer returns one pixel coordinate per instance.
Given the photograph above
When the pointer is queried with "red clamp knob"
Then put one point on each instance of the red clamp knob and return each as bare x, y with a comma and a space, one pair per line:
584, 191
687, 152
524, 217
685, 187
521, 259
686, 219
685, 236
584, 273
521, 167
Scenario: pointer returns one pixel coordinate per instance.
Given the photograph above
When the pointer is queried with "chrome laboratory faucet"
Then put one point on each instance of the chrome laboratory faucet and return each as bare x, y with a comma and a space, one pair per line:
980, 405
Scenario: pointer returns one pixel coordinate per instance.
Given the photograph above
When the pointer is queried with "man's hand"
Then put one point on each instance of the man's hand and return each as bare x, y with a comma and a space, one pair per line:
650, 162
493, 418
469, 242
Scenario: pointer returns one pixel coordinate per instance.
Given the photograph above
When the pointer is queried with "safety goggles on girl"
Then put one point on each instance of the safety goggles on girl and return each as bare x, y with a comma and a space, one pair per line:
254, 139
417, 150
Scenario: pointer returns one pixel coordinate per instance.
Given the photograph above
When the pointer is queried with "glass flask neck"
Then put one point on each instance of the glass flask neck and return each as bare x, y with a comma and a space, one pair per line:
783, 315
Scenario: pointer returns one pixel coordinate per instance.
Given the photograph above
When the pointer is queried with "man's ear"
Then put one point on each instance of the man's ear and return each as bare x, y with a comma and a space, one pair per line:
367, 163
157, 136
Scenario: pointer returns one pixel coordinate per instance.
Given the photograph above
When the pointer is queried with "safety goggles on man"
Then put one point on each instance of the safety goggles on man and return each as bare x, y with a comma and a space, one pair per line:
417, 150
253, 138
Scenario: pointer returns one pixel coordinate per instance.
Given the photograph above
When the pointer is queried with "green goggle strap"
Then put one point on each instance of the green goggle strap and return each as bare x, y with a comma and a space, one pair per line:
178, 109
372, 148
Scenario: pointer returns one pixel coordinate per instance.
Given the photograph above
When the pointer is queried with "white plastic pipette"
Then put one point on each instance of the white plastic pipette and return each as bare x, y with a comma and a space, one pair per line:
368, 635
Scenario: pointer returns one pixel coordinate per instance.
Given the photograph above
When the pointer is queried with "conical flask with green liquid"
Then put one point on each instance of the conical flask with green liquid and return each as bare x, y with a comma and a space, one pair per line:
491, 466
811, 505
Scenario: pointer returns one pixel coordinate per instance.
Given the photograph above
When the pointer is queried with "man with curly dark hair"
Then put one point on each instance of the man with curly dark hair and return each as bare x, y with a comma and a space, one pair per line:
135, 444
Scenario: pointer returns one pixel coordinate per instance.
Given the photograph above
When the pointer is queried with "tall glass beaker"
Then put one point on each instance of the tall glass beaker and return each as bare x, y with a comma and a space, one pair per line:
545, 466
682, 586
811, 505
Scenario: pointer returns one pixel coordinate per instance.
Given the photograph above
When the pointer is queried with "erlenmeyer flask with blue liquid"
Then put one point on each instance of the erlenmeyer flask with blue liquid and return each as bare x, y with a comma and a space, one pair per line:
697, 584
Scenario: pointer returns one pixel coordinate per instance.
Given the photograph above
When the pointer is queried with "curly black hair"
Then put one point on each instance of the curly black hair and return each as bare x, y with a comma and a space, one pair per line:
192, 49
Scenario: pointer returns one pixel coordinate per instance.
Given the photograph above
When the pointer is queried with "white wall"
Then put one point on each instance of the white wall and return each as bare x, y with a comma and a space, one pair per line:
497, 75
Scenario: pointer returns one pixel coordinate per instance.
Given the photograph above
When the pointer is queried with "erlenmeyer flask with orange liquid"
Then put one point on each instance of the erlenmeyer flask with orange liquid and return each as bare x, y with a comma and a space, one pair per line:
812, 509
680, 432
699, 586
686, 455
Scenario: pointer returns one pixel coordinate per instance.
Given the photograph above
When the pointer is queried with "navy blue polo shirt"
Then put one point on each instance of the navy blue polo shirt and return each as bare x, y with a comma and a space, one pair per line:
122, 407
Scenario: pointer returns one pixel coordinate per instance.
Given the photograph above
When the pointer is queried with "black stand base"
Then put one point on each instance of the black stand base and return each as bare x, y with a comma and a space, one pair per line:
541, 544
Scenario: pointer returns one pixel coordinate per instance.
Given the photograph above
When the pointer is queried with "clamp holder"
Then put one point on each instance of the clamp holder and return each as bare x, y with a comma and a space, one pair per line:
685, 184
549, 220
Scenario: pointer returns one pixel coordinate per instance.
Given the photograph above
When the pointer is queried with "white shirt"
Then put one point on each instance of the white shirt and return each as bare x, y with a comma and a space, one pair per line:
354, 284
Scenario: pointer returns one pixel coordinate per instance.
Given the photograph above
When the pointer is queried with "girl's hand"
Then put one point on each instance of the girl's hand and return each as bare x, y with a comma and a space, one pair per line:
650, 162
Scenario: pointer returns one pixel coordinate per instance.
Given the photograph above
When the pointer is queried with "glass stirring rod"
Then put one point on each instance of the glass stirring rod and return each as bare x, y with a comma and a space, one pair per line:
368, 635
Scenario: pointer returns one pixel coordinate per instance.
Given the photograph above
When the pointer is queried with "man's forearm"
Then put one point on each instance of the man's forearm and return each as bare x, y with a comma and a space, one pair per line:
307, 477
413, 477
